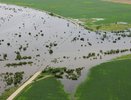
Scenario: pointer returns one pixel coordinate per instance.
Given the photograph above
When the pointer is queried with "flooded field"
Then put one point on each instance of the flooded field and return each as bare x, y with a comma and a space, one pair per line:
31, 40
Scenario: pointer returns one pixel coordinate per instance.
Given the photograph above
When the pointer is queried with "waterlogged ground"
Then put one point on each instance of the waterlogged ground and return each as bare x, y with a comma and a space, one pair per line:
31, 40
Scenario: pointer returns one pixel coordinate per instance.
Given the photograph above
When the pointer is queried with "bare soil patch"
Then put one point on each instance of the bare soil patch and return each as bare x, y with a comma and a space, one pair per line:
121, 1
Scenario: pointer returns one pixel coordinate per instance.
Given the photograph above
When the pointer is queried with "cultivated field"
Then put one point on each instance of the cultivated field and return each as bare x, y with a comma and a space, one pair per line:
107, 81
46, 89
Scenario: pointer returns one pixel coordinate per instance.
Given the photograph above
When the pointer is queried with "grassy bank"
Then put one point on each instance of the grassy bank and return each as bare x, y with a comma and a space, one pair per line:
46, 89
8, 92
84, 10
108, 81
123, 57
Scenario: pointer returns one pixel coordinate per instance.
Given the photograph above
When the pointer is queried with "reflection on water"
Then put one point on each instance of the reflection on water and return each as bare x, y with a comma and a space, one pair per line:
52, 41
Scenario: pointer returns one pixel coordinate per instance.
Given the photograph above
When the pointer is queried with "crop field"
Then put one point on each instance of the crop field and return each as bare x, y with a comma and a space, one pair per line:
108, 81
84, 10
46, 89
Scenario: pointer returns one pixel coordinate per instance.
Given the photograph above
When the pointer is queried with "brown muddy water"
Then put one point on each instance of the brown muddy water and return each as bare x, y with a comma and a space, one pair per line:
52, 41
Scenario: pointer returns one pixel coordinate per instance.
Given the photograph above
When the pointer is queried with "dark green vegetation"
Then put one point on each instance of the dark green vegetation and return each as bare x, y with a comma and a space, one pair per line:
72, 74
3, 57
19, 57
50, 46
116, 51
46, 89
12, 78
101, 53
107, 81
85, 10
18, 64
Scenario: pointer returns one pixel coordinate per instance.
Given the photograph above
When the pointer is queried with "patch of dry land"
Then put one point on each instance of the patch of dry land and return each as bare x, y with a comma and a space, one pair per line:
121, 1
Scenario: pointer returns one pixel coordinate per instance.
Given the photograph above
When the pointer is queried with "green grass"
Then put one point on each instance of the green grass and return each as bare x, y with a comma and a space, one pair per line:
79, 9
46, 89
109, 27
123, 57
8, 92
107, 81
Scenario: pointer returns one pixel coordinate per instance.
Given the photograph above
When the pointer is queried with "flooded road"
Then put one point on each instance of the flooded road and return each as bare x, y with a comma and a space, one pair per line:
43, 40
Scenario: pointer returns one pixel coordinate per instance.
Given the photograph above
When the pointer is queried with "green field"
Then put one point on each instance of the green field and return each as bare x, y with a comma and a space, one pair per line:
46, 89
107, 81
123, 57
84, 10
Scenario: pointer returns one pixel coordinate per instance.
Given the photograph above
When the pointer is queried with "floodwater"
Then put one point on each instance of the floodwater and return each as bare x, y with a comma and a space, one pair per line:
34, 31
